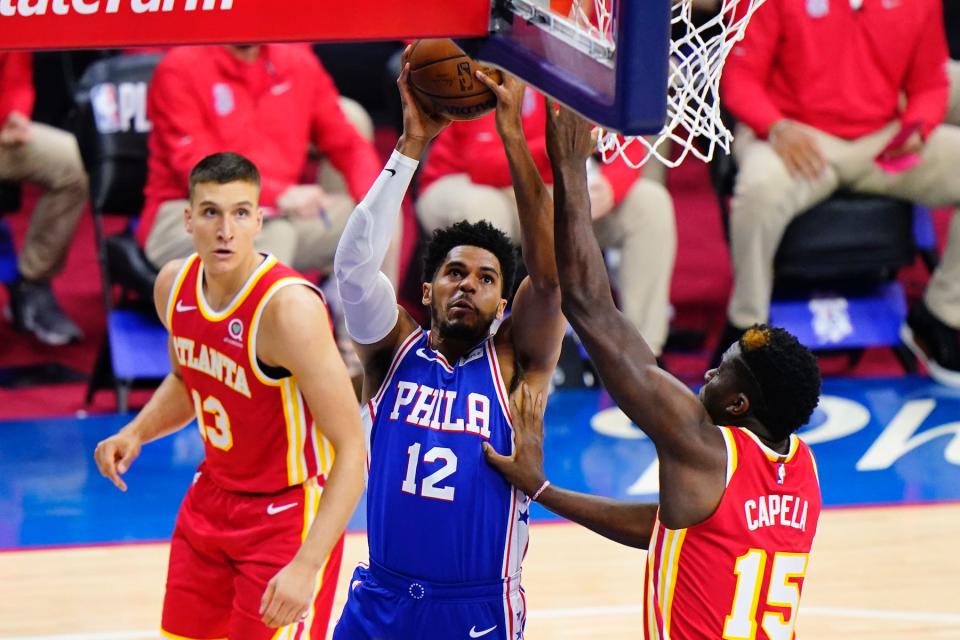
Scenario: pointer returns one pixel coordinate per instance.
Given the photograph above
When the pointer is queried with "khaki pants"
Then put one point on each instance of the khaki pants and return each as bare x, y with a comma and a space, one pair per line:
50, 159
642, 227
302, 243
953, 104
766, 198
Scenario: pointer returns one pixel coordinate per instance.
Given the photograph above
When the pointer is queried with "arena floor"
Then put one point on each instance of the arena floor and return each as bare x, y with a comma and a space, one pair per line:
82, 561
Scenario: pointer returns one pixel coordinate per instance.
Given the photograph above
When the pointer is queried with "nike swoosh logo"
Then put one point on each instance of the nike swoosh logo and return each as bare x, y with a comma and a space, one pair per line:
393, 172
272, 510
280, 89
478, 634
423, 354
182, 307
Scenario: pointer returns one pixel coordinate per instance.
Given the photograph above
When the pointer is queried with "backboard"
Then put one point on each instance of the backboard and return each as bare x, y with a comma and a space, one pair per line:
621, 87
606, 59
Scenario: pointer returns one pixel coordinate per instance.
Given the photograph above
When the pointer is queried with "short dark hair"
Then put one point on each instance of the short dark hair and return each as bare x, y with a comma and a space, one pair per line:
476, 234
786, 375
222, 168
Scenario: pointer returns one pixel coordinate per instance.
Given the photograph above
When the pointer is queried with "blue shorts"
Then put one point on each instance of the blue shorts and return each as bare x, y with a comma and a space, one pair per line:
384, 605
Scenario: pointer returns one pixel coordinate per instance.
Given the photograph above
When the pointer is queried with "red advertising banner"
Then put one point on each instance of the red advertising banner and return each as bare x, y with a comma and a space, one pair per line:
70, 24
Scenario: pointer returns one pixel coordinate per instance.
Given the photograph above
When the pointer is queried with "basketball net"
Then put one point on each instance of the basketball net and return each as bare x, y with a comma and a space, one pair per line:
697, 56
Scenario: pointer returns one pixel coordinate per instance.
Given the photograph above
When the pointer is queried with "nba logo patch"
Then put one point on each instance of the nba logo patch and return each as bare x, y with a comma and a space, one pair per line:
106, 109
235, 329
223, 102
818, 8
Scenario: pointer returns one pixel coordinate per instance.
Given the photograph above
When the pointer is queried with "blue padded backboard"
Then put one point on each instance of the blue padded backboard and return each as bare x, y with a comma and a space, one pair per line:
625, 93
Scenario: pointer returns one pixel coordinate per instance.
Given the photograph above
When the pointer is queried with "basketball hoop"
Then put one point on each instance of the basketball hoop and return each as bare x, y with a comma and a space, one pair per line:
697, 56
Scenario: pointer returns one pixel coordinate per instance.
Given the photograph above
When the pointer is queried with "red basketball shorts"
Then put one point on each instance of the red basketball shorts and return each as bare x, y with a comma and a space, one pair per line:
226, 547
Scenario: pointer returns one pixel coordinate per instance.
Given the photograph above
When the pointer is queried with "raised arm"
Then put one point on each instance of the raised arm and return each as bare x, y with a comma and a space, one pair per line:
295, 334
661, 405
374, 320
535, 326
168, 410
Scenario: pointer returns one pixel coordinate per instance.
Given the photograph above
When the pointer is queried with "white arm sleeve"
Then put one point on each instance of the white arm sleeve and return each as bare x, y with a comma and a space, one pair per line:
369, 301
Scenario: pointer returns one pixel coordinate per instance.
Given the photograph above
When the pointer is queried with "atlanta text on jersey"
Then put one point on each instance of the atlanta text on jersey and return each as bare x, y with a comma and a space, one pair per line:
213, 363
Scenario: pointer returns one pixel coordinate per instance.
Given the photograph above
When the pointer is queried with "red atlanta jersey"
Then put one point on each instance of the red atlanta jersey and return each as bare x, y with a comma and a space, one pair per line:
738, 574
257, 430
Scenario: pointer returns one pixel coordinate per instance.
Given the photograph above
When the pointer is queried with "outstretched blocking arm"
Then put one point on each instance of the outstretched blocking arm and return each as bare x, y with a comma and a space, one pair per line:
661, 405
295, 334
536, 325
629, 523
168, 410
374, 320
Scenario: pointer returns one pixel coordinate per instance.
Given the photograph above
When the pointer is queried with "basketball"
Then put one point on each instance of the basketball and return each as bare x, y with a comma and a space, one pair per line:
443, 80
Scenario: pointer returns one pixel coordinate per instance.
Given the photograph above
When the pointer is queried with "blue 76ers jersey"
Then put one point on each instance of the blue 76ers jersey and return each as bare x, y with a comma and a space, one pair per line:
435, 509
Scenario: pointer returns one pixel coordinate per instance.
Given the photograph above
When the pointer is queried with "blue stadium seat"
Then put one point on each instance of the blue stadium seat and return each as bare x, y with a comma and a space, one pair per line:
835, 270
9, 203
112, 129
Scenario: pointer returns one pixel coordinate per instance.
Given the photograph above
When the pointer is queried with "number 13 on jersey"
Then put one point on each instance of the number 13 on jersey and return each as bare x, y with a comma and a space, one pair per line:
782, 592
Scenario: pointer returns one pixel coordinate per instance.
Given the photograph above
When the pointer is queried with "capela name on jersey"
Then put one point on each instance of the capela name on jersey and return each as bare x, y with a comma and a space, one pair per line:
441, 409
775, 509
213, 363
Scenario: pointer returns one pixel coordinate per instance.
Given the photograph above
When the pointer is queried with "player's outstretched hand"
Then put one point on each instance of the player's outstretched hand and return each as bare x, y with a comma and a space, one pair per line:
288, 595
115, 455
570, 138
524, 468
509, 102
418, 125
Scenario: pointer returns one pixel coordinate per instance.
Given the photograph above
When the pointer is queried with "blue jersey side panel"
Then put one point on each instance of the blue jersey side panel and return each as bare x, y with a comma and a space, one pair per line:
435, 509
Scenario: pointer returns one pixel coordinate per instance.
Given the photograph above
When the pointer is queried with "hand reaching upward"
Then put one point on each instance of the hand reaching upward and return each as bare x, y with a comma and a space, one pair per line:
419, 127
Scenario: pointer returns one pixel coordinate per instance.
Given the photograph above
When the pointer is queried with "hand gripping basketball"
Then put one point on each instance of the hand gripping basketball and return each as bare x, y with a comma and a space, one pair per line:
445, 82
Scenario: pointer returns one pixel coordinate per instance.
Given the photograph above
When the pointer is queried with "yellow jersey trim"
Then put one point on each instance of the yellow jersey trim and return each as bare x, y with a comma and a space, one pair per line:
216, 316
772, 455
175, 289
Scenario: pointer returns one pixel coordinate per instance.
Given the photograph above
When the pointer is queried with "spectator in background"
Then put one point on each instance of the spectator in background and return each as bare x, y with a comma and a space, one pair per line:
33, 152
268, 103
842, 95
467, 177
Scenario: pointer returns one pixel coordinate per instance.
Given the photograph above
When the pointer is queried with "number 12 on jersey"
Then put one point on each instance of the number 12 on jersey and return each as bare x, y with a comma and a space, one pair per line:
429, 488
783, 591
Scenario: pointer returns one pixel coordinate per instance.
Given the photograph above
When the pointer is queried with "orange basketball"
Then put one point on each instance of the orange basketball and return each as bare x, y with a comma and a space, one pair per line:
443, 80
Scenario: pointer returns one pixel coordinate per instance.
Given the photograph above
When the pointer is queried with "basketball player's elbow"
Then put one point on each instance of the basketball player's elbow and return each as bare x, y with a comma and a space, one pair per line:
577, 304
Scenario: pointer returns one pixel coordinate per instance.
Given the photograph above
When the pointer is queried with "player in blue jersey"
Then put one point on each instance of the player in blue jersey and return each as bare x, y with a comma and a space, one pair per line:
446, 533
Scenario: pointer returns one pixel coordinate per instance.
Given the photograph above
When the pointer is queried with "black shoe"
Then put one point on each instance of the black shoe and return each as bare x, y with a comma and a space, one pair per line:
934, 343
33, 309
730, 335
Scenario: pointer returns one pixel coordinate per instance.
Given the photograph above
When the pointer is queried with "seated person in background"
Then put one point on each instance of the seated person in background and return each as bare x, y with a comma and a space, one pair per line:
467, 177
33, 152
822, 108
269, 103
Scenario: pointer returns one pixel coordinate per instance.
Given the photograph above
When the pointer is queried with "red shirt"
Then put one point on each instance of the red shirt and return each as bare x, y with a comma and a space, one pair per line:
16, 84
739, 573
258, 433
204, 100
839, 70
473, 147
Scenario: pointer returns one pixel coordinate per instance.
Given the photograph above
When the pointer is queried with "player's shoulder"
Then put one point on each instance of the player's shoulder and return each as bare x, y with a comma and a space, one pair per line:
296, 304
168, 275
164, 283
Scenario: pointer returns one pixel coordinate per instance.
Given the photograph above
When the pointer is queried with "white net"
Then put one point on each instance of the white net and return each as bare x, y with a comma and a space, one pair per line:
698, 50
